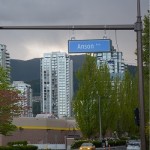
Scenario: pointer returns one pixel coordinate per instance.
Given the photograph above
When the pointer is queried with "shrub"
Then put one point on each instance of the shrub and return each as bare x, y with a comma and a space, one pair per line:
20, 143
78, 143
134, 137
97, 143
6, 148
116, 142
111, 143
124, 138
26, 147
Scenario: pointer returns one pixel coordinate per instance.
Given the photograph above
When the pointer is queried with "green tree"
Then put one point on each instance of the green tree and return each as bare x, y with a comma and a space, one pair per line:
84, 104
94, 83
118, 99
104, 88
126, 103
146, 61
146, 41
114, 108
9, 106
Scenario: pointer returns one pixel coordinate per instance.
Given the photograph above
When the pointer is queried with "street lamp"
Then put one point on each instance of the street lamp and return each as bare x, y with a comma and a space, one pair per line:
100, 127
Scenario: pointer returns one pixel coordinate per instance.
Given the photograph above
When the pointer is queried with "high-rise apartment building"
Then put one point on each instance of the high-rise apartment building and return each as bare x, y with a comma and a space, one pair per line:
4, 59
114, 61
26, 95
56, 84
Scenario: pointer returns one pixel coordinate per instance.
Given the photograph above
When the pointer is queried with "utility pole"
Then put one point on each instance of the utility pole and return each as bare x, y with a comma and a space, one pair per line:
138, 29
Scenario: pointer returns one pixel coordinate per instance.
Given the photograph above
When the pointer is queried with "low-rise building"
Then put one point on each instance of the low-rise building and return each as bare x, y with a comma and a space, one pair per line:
38, 130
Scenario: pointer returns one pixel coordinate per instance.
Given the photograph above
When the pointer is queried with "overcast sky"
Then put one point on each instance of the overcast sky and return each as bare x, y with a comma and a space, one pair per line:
29, 44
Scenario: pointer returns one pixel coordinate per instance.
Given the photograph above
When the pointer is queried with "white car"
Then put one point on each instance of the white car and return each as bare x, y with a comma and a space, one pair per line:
134, 145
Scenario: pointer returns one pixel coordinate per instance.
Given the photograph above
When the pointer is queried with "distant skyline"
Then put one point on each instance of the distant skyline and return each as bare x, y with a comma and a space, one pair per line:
27, 44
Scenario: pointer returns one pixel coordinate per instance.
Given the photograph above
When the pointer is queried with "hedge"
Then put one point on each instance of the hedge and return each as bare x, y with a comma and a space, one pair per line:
27, 147
78, 143
116, 142
19, 143
6, 148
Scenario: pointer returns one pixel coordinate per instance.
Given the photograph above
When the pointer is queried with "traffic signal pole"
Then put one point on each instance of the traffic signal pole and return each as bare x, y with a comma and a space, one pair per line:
137, 27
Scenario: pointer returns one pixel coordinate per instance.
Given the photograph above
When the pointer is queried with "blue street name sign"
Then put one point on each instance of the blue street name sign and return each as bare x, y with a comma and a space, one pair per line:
89, 46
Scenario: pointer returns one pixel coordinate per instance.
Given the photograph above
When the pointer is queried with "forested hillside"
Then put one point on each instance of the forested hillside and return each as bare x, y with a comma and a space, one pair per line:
29, 71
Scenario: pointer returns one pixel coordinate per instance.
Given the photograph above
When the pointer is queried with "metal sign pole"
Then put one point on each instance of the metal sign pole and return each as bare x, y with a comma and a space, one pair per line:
138, 29
71, 27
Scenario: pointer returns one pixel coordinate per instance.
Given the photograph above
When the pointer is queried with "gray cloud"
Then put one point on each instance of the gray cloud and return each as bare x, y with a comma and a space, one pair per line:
31, 44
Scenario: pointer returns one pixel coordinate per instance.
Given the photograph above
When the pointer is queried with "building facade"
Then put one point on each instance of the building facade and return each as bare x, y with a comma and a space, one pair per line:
56, 83
114, 60
4, 57
26, 95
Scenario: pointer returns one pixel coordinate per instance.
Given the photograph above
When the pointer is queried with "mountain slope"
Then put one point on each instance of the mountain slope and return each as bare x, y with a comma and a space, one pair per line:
25, 70
29, 71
